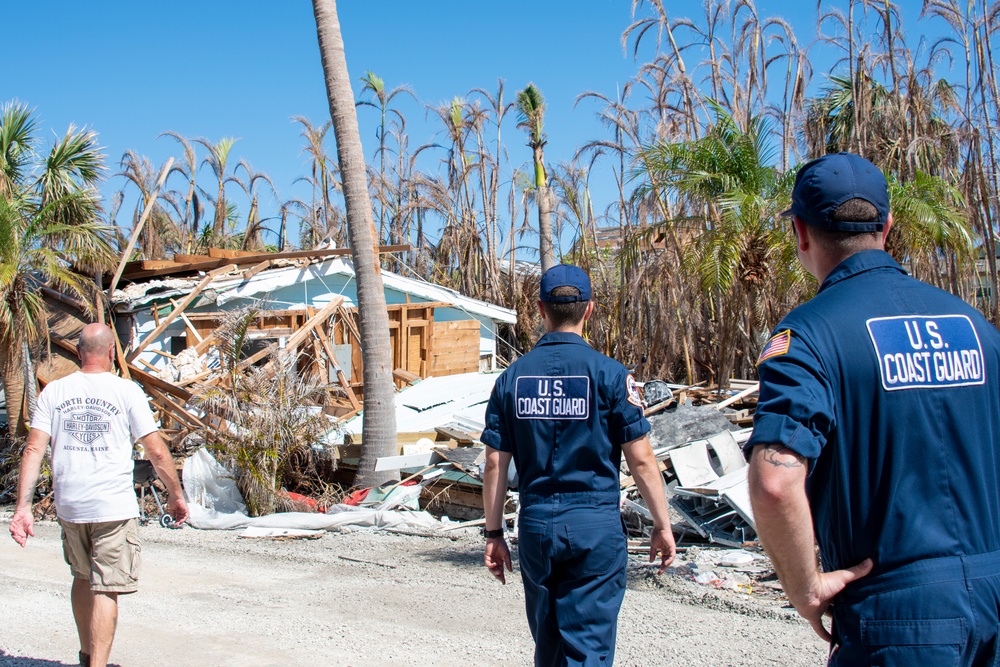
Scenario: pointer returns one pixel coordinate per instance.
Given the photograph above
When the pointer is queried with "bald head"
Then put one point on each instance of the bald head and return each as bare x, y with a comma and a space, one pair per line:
95, 342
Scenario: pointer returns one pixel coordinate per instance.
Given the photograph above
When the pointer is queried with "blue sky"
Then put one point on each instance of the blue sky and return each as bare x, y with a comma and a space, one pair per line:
131, 70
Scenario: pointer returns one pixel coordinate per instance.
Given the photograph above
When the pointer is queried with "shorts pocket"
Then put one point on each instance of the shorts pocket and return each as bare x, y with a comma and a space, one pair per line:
932, 641
133, 556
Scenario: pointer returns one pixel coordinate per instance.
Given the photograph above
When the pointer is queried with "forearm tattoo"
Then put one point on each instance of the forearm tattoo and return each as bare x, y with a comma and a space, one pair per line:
773, 451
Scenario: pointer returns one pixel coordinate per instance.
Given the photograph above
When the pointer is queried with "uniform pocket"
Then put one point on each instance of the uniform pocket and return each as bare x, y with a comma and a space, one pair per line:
933, 641
597, 545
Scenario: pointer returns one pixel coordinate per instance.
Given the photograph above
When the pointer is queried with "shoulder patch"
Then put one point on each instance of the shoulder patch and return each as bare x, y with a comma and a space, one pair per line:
633, 391
778, 345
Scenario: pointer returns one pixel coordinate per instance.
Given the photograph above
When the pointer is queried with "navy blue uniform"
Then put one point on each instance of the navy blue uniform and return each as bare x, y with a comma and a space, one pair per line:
891, 389
563, 411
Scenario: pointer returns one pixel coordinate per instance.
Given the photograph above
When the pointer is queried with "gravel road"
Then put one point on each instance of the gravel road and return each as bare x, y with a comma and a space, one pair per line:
362, 598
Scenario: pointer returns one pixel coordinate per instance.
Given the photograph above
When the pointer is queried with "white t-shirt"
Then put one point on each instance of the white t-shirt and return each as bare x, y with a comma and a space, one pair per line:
93, 419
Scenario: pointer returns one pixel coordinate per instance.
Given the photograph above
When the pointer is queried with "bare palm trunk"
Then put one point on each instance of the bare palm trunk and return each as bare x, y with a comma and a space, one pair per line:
13, 385
379, 430
30, 383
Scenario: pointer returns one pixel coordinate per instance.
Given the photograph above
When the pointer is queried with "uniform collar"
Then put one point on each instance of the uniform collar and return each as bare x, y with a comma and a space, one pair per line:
860, 262
561, 337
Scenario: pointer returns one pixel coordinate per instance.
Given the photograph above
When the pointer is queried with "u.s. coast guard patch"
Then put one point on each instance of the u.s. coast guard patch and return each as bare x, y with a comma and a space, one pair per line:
779, 344
552, 397
633, 391
921, 351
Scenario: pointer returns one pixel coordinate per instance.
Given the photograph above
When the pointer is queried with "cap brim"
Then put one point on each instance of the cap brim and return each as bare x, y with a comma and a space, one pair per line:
786, 214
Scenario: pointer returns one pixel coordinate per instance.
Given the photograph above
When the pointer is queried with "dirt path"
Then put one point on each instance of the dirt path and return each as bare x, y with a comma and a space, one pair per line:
211, 598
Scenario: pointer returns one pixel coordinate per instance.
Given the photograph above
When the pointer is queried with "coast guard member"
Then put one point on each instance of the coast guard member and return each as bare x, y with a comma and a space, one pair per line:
566, 414
877, 431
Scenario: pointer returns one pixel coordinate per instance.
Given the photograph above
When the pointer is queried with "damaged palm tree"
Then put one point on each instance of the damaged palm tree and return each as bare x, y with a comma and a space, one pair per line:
268, 413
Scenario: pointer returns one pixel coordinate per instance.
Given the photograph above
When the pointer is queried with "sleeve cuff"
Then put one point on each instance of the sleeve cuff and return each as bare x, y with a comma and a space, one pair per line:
635, 430
782, 430
492, 438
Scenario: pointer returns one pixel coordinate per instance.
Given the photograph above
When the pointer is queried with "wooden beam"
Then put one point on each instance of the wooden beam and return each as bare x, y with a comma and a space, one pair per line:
184, 258
165, 322
63, 343
225, 253
62, 298
150, 203
175, 409
341, 376
304, 331
738, 397
147, 380
190, 326
299, 336
204, 262
257, 268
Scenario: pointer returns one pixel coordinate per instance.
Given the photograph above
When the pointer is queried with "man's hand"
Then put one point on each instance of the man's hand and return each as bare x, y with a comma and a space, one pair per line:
22, 526
813, 606
662, 541
178, 509
497, 557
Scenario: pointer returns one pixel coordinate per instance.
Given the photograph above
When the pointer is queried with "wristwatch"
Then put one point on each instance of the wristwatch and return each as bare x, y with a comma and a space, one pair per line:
492, 534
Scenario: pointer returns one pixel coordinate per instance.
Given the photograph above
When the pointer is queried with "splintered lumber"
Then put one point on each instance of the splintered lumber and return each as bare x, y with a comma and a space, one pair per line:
120, 356
150, 203
304, 331
187, 263
174, 409
147, 380
324, 339
406, 376
738, 397
187, 321
165, 322
461, 437
257, 268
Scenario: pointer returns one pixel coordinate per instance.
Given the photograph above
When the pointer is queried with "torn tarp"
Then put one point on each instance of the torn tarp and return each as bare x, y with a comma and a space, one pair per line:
216, 504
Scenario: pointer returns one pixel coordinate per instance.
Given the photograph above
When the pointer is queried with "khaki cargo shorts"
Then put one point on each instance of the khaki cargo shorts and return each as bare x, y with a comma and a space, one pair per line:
107, 554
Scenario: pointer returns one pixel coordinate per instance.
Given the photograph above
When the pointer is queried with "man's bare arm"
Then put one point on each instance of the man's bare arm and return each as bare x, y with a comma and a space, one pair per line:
646, 473
497, 554
22, 523
777, 478
163, 463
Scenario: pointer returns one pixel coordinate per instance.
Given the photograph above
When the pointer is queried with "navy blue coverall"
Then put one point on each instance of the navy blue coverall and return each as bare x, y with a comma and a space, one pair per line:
564, 411
890, 388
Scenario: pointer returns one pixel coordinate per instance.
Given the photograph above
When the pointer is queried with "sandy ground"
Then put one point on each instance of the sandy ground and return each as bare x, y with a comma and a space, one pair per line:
212, 598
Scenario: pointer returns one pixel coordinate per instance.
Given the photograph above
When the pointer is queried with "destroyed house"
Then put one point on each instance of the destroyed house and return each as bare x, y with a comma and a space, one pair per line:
434, 331
167, 314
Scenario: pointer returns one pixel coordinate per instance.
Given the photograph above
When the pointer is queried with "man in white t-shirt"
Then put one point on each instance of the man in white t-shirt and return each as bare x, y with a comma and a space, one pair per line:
92, 418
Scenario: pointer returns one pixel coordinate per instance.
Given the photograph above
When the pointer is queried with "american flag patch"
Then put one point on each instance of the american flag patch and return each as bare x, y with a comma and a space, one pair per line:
777, 345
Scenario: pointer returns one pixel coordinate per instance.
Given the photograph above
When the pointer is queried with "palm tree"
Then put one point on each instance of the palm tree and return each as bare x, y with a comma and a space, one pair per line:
253, 233
192, 209
218, 161
379, 429
322, 219
531, 117
49, 236
373, 83
740, 250
160, 235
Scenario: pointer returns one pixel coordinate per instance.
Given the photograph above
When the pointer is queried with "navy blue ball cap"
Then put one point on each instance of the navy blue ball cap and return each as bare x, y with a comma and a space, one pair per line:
564, 275
827, 182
